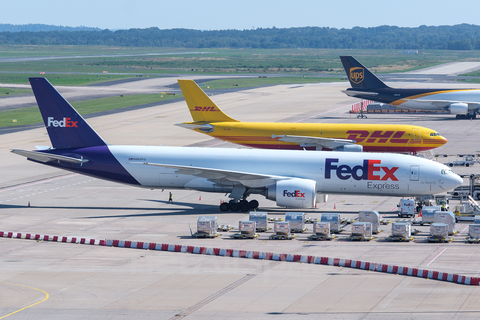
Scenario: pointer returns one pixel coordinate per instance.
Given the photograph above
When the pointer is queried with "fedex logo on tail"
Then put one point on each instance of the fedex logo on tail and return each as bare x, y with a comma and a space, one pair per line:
370, 170
294, 194
65, 123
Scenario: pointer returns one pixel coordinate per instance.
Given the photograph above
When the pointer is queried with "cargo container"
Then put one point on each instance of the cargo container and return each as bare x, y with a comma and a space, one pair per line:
206, 227
261, 220
428, 213
474, 232
334, 220
439, 233
282, 231
401, 231
321, 231
247, 230
371, 216
297, 221
361, 231
446, 217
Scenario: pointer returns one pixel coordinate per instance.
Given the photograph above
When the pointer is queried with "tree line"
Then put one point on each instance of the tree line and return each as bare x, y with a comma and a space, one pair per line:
457, 37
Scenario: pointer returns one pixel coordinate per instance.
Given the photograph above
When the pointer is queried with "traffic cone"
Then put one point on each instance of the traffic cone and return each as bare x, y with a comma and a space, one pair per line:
221, 201
334, 206
200, 199
316, 205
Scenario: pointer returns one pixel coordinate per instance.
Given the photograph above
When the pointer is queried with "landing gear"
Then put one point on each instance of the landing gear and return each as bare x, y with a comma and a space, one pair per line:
242, 205
466, 116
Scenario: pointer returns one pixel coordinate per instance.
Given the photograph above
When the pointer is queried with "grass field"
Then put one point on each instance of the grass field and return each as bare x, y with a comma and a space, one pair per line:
32, 115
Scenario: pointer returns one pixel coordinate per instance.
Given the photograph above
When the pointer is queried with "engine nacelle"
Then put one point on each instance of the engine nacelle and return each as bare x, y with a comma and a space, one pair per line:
458, 108
294, 193
351, 148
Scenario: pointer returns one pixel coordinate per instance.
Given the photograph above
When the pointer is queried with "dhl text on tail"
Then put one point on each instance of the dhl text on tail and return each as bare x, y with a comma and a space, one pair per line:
209, 119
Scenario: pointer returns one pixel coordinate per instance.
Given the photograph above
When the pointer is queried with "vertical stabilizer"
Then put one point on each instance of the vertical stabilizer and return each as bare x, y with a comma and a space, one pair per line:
65, 126
359, 76
201, 107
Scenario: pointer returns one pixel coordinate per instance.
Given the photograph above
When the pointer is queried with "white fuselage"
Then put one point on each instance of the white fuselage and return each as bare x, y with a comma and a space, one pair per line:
334, 172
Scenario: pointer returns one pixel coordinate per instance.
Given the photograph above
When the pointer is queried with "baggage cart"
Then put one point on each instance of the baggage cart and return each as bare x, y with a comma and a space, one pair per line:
371, 216
401, 232
297, 221
439, 233
334, 220
446, 217
247, 230
361, 231
206, 227
321, 231
261, 219
473, 233
282, 231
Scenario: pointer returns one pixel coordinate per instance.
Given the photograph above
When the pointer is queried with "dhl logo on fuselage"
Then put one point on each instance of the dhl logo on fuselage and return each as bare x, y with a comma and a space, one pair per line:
197, 108
356, 74
370, 170
362, 135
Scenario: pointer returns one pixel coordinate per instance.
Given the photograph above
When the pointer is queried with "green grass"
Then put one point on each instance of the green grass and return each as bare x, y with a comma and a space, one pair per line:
61, 79
13, 91
32, 115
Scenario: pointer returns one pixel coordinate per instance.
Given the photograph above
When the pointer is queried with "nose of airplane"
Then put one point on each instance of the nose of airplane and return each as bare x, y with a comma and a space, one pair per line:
452, 180
442, 140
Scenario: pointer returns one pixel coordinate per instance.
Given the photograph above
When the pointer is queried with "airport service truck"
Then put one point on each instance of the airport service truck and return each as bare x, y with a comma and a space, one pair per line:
406, 208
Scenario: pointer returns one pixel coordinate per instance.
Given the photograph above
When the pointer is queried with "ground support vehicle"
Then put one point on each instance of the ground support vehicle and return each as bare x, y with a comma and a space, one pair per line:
224, 227
439, 233
311, 220
406, 208
282, 231
247, 230
473, 234
466, 161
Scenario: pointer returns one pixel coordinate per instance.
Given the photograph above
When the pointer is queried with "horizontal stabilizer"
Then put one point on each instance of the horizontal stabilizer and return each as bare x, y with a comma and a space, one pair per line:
353, 93
47, 157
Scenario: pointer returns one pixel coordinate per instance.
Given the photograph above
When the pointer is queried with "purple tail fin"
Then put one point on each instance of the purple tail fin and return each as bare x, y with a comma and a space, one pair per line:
65, 126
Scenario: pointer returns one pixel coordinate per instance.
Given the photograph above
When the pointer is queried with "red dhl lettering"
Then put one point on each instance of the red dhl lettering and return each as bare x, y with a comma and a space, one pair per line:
197, 108
382, 136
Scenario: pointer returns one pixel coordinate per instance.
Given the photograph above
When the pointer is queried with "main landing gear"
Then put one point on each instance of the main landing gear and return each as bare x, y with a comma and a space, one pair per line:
466, 116
242, 205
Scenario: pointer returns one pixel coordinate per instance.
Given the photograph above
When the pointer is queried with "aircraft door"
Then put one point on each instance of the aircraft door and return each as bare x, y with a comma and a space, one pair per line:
414, 173
416, 135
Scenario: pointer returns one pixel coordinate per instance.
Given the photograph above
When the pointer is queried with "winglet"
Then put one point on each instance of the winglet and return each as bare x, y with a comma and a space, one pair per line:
201, 107
359, 76
65, 126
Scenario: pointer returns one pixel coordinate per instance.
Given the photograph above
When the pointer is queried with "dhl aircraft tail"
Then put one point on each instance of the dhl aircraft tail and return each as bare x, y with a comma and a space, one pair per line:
359, 76
202, 108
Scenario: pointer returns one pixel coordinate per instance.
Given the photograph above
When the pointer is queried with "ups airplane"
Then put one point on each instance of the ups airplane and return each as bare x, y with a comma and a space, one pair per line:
464, 103
209, 119
294, 179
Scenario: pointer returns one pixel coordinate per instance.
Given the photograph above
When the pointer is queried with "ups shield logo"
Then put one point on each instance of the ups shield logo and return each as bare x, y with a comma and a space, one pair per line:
356, 75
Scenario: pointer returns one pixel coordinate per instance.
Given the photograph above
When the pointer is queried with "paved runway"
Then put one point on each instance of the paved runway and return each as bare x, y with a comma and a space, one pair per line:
103, 282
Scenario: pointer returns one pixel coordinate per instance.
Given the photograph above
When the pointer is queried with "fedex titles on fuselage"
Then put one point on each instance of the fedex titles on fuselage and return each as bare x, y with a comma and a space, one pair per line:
371, 170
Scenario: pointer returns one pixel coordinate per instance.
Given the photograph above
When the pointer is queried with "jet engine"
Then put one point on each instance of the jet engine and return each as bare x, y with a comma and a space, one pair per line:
293, 193
458, 108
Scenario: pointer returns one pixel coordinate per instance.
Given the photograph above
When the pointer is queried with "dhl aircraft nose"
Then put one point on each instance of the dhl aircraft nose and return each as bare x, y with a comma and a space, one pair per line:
442, 140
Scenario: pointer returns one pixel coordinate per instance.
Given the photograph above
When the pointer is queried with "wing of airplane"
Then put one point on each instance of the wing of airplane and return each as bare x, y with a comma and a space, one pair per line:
324, 143
252, 180
47, 157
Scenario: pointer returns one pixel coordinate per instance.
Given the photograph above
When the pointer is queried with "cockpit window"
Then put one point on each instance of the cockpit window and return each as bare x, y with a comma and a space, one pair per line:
434, 134
446, 171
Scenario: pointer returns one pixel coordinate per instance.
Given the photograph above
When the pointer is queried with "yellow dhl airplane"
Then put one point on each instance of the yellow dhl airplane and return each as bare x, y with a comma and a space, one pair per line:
209, 119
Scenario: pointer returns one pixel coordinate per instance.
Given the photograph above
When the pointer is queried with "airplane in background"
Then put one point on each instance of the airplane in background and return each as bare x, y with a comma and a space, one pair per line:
209, 119
464, 103
294, 179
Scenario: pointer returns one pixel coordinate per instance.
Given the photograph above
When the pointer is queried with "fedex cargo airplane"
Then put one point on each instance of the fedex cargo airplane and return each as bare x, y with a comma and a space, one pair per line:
465, 103
294, 179
209, 119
